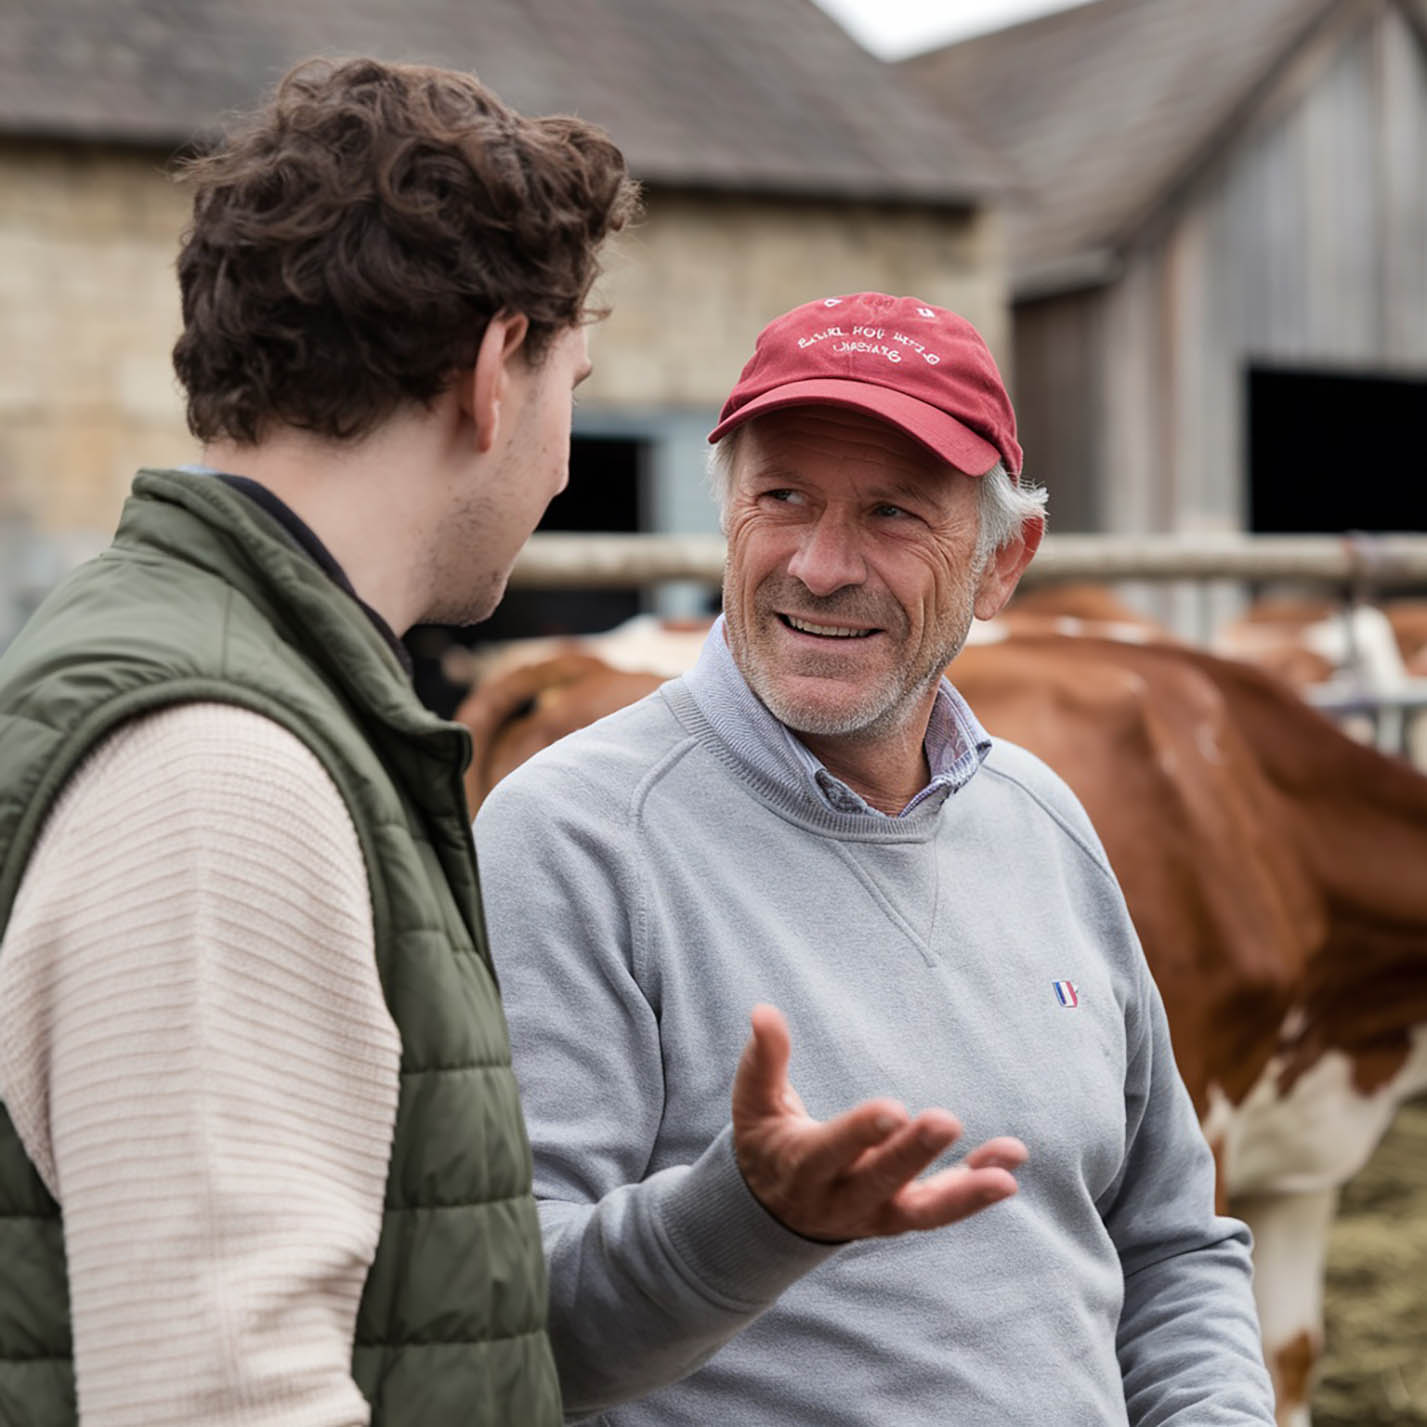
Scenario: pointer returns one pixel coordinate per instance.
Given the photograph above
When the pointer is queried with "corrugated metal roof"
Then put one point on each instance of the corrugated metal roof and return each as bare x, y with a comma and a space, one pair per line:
1101, 109
737, 95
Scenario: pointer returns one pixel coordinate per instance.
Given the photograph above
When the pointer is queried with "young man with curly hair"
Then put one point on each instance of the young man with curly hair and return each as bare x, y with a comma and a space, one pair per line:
261, 1156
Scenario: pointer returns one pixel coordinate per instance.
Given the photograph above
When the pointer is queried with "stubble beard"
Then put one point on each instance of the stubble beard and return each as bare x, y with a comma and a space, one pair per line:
869, 715
467, 582
478, 605
465, 590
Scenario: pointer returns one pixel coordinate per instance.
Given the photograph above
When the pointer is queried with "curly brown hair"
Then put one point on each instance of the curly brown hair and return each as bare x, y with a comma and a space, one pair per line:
351, 241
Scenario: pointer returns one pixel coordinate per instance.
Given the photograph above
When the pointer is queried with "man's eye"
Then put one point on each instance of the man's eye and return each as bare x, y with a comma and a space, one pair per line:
782, 496
891, 512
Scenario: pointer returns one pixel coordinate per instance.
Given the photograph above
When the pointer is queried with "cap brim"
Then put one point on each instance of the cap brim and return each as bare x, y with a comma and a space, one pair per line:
944, 436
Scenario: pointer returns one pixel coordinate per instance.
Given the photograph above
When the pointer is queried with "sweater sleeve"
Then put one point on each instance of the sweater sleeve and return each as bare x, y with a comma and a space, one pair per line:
1188, 1340
200, 1063
649, 1273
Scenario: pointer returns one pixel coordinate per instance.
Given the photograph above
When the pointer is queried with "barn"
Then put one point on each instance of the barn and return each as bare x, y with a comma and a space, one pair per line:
1218, 256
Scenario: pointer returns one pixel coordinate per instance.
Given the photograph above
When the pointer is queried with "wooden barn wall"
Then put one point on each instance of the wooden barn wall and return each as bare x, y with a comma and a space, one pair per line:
1306, 245
1056, 387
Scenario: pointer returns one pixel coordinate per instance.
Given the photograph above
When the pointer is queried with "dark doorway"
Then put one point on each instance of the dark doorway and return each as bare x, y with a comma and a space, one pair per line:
1331, 452
605, 494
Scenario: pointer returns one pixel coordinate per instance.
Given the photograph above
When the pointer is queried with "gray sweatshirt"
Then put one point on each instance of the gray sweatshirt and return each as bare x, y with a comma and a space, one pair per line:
650, 878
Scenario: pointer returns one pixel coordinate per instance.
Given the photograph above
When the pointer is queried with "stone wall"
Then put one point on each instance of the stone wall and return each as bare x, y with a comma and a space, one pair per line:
88, 315
89, 310
694, 283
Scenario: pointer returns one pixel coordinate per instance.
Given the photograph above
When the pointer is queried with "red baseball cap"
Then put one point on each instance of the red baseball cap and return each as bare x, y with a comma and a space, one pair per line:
920, 367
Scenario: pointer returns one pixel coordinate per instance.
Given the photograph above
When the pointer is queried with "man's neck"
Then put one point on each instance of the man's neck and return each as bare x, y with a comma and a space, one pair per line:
886, 770
364, 500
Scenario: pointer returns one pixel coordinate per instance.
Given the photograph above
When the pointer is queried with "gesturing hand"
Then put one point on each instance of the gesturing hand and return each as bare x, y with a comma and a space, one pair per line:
852, 1177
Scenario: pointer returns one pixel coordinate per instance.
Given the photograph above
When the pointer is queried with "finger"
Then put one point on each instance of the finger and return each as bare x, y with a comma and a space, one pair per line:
882, 1170
945, 1198
836, 1148
793, 1103
760, 1084
1003, 1152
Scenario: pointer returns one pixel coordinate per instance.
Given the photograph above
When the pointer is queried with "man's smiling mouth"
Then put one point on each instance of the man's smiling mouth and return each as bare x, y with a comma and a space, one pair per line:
825, 631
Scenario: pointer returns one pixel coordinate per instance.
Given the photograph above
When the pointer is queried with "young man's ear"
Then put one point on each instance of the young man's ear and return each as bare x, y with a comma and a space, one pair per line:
489, 381
1003, 571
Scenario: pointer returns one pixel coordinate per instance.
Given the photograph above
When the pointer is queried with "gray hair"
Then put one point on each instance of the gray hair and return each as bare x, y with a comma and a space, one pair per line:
1004, 505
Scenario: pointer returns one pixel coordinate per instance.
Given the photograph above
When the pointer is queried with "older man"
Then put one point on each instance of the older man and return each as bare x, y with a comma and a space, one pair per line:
812, 817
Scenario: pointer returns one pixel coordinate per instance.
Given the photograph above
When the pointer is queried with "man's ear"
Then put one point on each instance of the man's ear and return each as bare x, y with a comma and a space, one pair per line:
486, 386
1003, 571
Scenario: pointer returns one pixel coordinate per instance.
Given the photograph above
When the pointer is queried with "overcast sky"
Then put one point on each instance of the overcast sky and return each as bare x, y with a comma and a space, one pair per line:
894, 29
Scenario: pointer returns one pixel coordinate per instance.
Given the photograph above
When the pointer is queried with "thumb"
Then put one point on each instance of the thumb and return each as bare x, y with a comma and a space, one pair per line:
760, 1085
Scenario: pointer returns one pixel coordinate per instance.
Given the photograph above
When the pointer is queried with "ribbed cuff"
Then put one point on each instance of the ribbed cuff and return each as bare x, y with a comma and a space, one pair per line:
727, 1239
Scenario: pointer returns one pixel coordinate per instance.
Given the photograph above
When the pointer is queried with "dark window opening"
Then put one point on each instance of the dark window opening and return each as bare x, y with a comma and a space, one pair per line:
1331, 452
604, 494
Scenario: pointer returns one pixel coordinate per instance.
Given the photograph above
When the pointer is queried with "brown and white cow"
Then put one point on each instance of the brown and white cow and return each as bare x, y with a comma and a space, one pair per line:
1337, 654
1274, 870
1275, 630
527, 707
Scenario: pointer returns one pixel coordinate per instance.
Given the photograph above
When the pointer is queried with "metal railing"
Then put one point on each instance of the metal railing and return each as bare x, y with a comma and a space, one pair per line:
1375, 562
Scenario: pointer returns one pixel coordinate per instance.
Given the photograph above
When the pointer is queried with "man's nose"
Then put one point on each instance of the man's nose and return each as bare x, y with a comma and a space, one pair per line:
828, 557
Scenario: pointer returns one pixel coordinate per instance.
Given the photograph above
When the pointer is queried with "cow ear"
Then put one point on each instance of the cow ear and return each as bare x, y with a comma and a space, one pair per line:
487, 386
1003, 571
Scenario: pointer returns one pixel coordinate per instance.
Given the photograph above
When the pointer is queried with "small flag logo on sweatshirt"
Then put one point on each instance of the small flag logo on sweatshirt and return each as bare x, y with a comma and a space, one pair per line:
1066, 993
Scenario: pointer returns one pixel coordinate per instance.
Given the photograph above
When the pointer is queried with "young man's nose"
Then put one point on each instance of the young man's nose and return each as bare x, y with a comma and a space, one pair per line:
828, 557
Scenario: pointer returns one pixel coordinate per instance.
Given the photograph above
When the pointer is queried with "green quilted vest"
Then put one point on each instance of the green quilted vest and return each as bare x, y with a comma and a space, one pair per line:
203, 596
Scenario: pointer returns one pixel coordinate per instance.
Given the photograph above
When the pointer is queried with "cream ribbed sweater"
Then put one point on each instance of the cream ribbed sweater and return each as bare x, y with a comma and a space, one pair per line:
199, 1061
